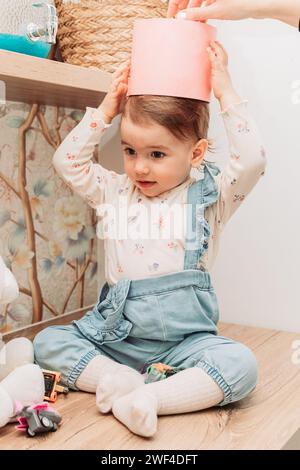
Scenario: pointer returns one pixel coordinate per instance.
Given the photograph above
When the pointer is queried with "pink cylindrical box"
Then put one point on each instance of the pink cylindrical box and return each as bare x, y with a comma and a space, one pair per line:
169, 58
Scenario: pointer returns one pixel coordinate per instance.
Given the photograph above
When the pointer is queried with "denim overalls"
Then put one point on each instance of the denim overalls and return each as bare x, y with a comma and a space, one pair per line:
170, 319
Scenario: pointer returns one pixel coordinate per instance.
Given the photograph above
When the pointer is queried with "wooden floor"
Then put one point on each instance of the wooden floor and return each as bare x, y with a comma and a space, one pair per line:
265, 420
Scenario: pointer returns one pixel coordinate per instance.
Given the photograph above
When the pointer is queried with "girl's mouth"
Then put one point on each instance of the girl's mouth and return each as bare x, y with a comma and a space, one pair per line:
146, 184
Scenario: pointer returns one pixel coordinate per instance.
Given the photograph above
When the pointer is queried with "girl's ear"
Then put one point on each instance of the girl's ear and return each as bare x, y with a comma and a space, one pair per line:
199, 151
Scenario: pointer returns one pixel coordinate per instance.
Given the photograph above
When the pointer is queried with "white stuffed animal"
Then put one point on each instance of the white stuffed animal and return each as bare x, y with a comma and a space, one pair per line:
20, 379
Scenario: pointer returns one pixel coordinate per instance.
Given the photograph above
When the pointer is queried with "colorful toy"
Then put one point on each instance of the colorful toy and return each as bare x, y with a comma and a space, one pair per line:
52, 379
37, 419
159, 371
20, 378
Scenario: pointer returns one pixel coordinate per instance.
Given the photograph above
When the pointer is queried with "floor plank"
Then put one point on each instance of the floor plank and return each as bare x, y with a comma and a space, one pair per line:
266, 419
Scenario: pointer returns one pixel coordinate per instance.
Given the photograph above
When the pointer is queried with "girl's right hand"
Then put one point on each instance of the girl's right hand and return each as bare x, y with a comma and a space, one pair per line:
114, 99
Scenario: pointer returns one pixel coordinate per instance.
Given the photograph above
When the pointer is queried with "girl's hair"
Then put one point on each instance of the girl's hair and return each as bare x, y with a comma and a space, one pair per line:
185, 118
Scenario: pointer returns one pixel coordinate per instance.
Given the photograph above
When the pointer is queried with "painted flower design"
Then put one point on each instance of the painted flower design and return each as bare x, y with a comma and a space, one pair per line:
173, 246
139, 248
22, 257
238, 197
123, 190
243, 127
163, 200
76, 165
68, 217
153, 267
161, 222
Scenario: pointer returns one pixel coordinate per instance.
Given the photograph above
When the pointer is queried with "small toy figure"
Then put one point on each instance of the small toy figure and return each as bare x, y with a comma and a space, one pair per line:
38, 419
52, 379
159, 371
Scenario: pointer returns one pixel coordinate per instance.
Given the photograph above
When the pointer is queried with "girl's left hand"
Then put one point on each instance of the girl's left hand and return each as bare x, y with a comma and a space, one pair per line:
115, 99
221, 81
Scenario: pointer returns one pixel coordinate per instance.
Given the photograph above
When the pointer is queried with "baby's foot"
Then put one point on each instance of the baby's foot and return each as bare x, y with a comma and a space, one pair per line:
138, 411
113, 386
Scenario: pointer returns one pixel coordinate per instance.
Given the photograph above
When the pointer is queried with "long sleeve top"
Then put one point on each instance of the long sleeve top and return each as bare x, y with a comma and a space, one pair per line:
123, 211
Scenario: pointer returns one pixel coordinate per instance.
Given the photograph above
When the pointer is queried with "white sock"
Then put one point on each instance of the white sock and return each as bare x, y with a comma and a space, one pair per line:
15, 353
26, 385
109, 380
189, 390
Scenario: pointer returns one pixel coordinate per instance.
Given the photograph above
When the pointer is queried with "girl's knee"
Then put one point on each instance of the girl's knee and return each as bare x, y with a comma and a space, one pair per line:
46, 345
245, 377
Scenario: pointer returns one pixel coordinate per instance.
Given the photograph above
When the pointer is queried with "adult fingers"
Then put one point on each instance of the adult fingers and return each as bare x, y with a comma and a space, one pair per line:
175, 6
211, 11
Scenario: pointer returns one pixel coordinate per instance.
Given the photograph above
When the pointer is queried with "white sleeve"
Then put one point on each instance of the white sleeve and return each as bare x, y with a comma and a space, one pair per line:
247, 161
73, 161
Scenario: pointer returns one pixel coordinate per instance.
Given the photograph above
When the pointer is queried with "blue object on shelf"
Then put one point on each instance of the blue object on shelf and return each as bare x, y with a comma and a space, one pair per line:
16, 43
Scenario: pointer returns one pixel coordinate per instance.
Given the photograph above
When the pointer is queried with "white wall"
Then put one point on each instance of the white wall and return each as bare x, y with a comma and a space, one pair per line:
257, 272
256, 275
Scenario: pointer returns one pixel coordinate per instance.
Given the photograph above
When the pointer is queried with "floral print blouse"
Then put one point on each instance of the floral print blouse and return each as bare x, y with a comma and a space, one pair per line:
141, 238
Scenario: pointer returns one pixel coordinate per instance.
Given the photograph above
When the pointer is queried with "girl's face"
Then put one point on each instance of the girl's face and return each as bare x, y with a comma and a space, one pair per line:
153, 155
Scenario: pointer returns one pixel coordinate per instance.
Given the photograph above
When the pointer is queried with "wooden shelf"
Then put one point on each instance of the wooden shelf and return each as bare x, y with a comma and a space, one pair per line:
34, 80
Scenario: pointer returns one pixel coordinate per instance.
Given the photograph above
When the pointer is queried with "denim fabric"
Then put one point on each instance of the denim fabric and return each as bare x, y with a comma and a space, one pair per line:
171, 319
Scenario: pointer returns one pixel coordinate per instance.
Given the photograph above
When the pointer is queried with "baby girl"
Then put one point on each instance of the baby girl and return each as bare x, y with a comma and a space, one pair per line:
158, 303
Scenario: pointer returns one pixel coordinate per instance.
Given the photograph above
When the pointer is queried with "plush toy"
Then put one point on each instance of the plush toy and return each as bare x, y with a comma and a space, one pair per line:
20, 380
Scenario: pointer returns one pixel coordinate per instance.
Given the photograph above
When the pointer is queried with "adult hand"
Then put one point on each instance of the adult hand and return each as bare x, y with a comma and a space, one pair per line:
212, 9
287, 11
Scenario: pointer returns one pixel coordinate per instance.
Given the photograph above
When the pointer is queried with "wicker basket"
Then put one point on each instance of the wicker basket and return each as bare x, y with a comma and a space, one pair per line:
98, 33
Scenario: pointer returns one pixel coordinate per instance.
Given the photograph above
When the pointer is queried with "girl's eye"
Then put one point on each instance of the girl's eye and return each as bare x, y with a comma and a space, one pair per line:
129, 151
157, 154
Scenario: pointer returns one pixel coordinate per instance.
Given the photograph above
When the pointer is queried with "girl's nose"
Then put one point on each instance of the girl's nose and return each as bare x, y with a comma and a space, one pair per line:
141, 168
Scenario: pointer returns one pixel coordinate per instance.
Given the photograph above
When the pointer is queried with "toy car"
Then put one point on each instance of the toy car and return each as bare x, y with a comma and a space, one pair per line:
159, 371
38, 419
52, 386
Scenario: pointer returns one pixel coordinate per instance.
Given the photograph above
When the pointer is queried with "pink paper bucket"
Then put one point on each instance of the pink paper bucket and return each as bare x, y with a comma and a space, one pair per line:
169, 58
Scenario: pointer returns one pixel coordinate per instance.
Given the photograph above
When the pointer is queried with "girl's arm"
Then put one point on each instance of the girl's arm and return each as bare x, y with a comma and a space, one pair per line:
73, 158
247, 156
246, 164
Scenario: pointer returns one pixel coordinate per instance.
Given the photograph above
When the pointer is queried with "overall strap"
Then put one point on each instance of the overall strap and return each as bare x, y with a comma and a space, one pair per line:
201, 194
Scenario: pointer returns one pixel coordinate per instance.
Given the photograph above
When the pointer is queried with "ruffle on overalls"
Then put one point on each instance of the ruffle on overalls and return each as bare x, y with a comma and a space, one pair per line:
108, 323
